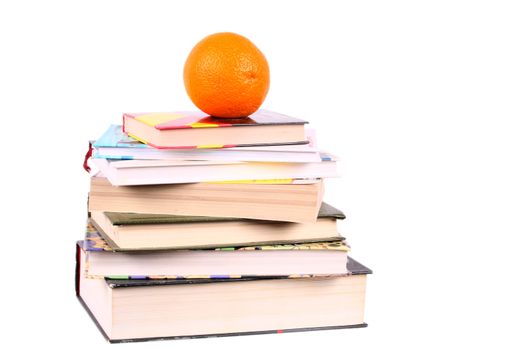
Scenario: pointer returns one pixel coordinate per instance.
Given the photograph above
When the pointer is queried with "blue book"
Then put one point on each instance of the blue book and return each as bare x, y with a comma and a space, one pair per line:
114, 137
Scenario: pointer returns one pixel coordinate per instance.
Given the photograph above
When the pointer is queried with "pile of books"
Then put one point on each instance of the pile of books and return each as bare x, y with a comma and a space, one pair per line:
209, 227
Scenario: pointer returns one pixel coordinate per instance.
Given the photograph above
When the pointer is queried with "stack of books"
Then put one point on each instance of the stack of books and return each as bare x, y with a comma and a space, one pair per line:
209, 227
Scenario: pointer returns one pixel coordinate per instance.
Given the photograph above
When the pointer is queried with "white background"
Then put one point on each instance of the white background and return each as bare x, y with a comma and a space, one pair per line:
423, 100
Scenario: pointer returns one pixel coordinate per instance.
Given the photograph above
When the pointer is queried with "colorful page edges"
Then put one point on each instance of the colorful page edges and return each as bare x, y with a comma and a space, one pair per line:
94, 242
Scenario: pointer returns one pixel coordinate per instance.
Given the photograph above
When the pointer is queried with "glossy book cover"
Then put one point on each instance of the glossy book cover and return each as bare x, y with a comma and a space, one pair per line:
195, 130
115, 137
197, 119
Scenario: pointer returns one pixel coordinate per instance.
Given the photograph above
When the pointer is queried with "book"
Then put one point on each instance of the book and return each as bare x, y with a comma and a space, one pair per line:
115, 144
132, 231
127, 310
198, 130
157, 172
319, 258
288, 202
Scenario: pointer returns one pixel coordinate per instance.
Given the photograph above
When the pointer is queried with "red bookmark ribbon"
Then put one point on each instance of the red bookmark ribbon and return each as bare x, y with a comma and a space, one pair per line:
86, 158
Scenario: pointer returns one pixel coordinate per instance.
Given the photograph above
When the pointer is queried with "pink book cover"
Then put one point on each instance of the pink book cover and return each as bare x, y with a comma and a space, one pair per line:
197, 119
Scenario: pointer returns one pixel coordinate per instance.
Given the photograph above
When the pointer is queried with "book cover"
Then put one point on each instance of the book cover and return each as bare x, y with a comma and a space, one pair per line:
326, 211
197, 119
115, 137
150, 128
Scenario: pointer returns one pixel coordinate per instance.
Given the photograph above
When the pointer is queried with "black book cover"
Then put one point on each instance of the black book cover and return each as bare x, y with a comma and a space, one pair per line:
215, 335
354, 268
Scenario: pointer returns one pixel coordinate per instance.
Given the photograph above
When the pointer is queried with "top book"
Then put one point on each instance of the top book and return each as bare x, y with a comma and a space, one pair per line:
172, 130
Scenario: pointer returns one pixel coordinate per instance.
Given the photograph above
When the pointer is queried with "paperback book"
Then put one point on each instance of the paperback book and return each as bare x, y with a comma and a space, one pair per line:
288, 202
157, 172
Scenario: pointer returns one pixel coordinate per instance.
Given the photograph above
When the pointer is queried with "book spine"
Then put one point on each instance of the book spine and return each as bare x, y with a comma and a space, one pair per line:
77, 270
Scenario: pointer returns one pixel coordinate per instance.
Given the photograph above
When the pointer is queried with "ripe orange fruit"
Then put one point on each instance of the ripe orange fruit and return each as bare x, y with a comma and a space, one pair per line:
226, 76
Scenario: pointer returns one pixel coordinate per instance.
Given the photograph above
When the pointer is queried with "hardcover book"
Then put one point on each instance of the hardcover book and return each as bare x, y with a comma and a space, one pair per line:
198, 130
132, 231
316, 258
128, 310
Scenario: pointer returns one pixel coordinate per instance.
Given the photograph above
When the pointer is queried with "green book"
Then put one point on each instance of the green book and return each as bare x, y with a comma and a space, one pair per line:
326, 211
132, 231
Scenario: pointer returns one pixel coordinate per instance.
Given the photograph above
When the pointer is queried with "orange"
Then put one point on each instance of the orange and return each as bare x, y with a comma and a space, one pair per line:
226, 76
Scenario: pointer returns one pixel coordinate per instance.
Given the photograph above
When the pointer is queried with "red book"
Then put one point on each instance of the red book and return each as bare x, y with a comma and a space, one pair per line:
198, 130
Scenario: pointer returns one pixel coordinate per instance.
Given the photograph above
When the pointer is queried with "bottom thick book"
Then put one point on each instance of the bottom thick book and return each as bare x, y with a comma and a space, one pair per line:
153, 309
